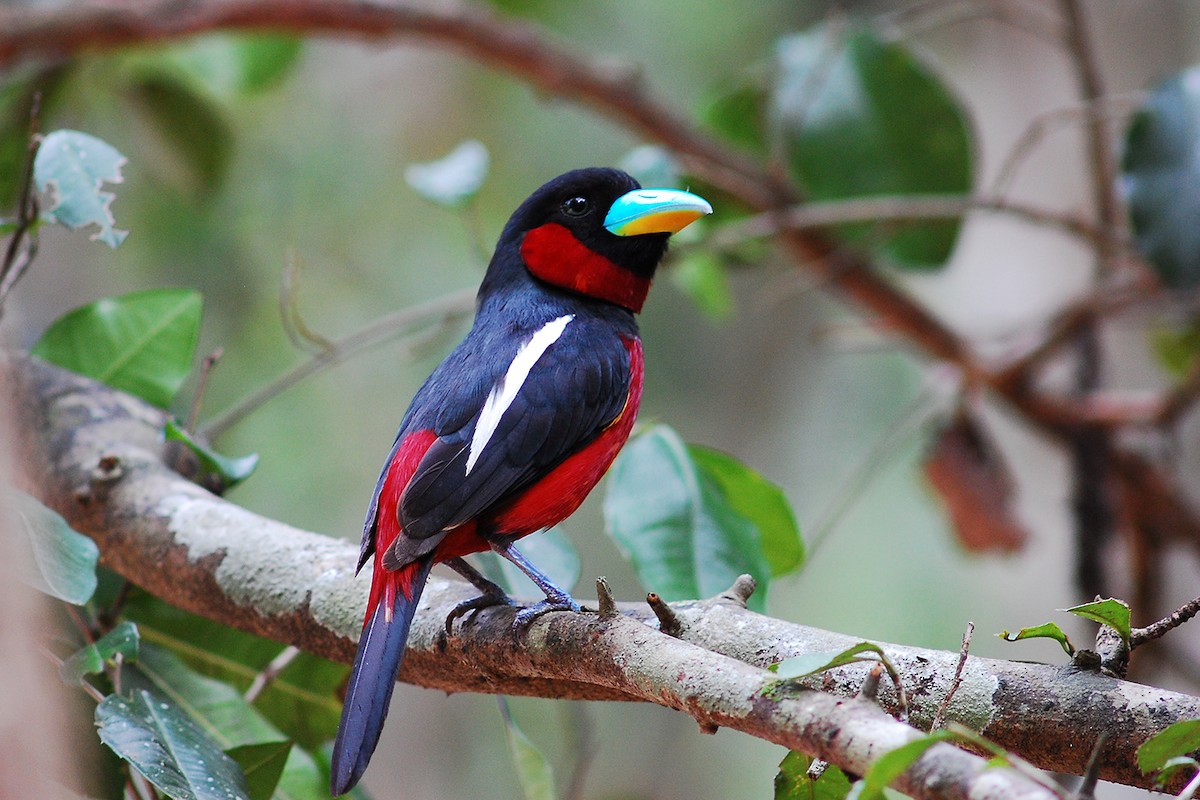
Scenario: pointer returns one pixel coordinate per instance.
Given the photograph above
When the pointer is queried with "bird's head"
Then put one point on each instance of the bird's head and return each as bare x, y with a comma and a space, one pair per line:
596, 232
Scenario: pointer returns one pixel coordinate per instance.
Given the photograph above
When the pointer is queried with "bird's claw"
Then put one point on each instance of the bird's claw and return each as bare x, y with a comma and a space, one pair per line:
486, 600
526, 616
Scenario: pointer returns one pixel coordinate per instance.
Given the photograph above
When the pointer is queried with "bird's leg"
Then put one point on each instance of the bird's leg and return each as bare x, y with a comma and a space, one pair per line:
491, 593
556, 598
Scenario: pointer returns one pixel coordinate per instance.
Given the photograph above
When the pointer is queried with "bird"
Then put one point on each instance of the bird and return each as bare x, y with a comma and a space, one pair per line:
515, 427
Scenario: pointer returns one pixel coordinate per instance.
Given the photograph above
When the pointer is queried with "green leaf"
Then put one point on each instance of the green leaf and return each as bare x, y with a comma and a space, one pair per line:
552, 552
1178, 739
142, 343
760, 501
65, 559
1177, 348
218, 708
1161, 174
1113, 613
1047, 630
675, 523
232, 64
168, 748
191, 123
533, 769
221, 712
739, 113
813, 663
122, 640
453, 180
862, 117
306, 778
302, 701
1175, 765
700, 275
263, 766
792, 781
228, 471
75, 166
892, 764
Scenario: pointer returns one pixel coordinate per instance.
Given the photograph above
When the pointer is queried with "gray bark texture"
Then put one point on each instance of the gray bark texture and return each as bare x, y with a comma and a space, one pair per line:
99, 459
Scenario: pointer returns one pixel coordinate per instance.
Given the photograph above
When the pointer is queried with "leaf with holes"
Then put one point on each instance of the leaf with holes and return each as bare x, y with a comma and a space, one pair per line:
142, 343
74, 167
63, 560
684, 536
167, 747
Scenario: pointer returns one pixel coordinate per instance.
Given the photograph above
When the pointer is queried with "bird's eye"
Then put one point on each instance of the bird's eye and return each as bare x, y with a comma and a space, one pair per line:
576, 206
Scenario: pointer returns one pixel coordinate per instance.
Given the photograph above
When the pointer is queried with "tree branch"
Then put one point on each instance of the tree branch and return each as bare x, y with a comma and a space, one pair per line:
213, 558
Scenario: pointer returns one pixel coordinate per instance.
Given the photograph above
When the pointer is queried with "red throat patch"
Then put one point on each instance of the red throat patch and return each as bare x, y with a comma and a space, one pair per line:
552, 253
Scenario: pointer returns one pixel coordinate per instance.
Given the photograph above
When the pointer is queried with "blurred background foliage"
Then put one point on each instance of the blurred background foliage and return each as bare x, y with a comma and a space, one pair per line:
249, 154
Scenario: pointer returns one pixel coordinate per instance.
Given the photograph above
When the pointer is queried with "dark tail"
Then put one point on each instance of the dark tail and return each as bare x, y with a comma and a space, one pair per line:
380, 650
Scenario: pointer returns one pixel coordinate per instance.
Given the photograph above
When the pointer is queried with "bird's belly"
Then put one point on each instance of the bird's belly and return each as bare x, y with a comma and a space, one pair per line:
556, 496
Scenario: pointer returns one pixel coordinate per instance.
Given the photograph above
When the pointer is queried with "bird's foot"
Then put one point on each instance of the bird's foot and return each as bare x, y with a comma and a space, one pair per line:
475, 604
555, 601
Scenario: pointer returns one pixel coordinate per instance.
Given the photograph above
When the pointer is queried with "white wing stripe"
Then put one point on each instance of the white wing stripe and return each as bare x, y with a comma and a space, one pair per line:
504, 392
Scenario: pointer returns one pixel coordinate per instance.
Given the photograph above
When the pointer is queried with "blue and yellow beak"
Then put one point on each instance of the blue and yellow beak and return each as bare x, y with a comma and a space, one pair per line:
654, 211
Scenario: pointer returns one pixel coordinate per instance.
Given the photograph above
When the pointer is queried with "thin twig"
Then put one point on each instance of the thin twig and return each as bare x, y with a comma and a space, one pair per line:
519, 49
88, 689
907, 208
439, 313
297, 330
668, 621
270, 672
914, 20
870, 687
1139, 636
1092, 448
933, 403
1110, 107
22, 246
939, 717
1091, 776
206, 367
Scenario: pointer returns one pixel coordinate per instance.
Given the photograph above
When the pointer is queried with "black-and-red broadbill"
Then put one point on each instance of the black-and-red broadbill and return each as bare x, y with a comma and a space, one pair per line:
515, 427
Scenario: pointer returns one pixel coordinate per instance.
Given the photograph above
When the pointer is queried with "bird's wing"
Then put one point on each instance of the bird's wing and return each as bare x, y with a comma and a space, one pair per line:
577, 385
